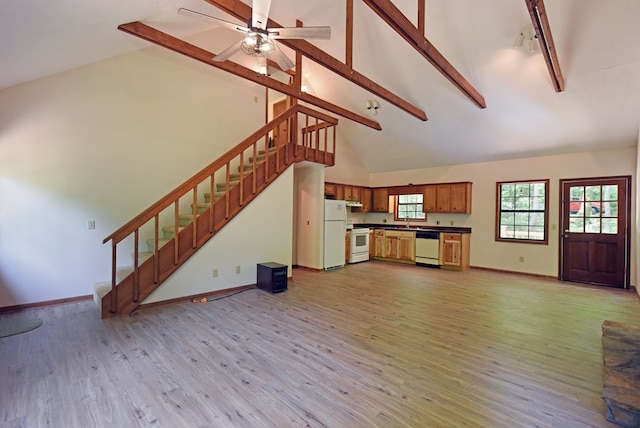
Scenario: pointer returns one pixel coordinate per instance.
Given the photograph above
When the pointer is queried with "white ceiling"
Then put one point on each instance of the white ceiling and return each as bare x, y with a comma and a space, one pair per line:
598, 45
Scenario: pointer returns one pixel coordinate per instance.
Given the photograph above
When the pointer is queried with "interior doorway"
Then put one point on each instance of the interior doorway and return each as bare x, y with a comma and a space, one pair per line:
281, 133
596, 234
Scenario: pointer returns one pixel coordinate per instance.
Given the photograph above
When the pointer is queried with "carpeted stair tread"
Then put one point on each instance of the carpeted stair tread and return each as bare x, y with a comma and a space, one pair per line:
185, 219
216, 197
221, 187
151, 243
168, 232
100, 289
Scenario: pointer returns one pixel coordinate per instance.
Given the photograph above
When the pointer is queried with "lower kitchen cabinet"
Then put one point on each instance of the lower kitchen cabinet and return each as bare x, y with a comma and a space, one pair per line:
372, 245
347, 246
400, 246
454, 251
378, 243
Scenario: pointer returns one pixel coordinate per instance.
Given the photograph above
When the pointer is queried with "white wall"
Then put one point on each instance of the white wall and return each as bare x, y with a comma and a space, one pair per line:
348, 168
103, 142
309, 218
636, 235
485, 251
262, 232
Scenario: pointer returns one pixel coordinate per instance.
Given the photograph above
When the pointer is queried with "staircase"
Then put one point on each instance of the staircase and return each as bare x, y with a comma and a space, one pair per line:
205, 203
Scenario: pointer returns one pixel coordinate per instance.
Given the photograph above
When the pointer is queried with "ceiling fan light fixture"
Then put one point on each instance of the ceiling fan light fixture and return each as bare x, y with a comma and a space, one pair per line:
257, 44
250, 40
266, 46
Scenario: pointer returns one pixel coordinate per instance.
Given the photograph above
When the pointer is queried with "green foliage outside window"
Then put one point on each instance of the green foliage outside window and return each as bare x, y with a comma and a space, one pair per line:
522, 213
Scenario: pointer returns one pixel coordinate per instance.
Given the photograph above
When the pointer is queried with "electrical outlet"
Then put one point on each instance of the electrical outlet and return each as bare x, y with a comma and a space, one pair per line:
437, 221
237, 270
521, 259
91, 224
451, 222
214, 273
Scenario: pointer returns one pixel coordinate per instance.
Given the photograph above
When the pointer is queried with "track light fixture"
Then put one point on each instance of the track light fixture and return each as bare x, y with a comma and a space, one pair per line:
373, 106
527, 33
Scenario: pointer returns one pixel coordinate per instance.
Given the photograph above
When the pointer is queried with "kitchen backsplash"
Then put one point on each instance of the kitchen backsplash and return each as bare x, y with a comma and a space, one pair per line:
459, 220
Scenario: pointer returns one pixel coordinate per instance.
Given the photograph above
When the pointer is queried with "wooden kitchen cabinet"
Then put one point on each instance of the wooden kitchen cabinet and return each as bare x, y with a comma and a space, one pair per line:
372, 245
429, 198
454, 251
380, 203
460, 198
378, 243
347, 192
347, 246
407, 248
448, 198
365, 199
329, 189
355, 193
400, 245
340, 192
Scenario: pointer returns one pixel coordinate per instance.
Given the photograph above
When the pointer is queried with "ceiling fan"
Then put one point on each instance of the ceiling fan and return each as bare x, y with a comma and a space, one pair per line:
259, 40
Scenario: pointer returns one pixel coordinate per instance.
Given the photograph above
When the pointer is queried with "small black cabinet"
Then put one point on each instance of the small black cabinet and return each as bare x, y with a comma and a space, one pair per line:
272, 277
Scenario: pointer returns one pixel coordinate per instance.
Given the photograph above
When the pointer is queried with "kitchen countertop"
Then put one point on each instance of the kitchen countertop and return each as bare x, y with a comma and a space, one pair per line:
413, 228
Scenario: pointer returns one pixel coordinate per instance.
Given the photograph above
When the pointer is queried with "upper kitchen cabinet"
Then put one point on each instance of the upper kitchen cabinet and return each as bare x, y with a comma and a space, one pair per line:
380, 200
329, 190
449, 198
365, 199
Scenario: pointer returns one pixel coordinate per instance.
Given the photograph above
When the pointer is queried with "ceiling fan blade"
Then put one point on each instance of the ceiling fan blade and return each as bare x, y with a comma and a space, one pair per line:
320, 32
222, 22
228, 52
260, 13
280, 58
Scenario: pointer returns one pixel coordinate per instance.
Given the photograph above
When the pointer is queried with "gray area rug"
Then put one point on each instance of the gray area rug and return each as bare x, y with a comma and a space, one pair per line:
16, 324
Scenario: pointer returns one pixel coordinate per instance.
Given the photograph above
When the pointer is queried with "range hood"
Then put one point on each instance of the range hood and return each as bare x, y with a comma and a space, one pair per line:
354, 204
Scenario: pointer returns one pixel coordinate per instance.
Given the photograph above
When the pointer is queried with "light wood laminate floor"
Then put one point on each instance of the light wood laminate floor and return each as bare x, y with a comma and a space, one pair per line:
371, 345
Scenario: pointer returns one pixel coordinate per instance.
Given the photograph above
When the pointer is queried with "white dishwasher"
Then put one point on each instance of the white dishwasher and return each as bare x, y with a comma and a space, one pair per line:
428, 248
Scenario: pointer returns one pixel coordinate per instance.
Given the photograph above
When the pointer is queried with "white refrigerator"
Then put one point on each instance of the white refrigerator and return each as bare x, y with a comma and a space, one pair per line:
335, 228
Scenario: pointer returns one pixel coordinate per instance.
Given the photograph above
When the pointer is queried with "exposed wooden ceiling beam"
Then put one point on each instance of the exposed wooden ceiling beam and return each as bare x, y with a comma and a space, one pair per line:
242, 12
401, 24
421, 16
541, 25
349, 35
165, 40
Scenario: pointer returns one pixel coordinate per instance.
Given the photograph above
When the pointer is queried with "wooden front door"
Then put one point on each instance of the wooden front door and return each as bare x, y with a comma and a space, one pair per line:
595, 240
281, 134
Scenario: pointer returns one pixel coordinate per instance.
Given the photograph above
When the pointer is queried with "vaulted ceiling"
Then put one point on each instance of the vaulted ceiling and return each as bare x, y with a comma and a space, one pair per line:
598, 47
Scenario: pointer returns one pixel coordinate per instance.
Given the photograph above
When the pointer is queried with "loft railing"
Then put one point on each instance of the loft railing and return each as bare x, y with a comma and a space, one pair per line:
310, 136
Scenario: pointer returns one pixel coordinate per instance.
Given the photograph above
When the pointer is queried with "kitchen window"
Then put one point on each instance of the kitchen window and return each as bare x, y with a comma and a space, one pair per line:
522, 211
409, 207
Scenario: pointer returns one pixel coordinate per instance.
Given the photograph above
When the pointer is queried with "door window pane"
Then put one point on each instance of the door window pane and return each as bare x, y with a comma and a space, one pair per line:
592, 193
576, 225
609, 209
586, 209
610, 225
610, 193
592, 225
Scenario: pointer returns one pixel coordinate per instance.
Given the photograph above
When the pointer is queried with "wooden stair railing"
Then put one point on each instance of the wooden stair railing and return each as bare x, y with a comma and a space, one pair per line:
313, 139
